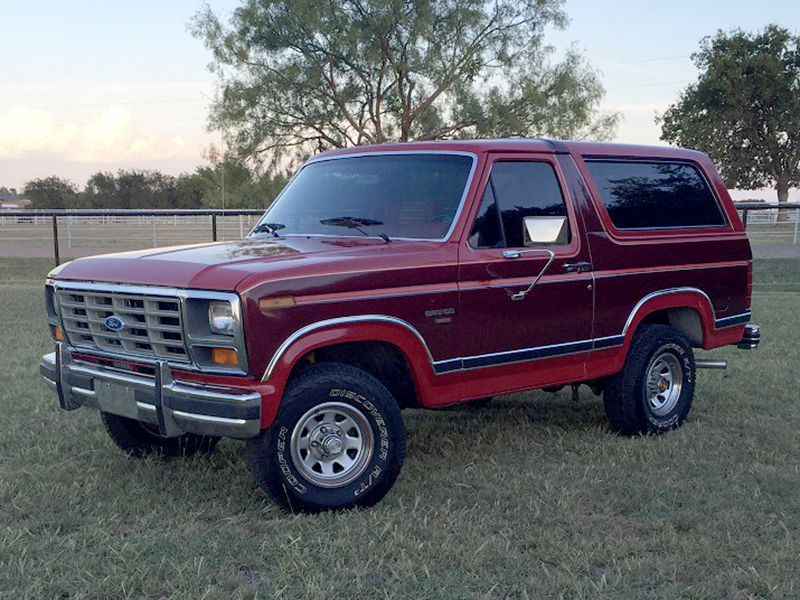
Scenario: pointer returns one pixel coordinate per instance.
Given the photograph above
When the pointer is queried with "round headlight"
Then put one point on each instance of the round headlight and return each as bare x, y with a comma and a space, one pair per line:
220, 318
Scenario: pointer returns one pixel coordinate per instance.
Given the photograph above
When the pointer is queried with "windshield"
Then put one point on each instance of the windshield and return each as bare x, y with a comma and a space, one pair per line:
390, 196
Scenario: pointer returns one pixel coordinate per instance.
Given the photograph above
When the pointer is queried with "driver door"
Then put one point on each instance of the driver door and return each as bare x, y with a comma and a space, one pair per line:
526, 304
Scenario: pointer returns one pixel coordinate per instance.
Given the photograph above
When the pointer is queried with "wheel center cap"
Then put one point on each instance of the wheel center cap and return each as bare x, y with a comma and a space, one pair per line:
333, 445
326, 442
663, 385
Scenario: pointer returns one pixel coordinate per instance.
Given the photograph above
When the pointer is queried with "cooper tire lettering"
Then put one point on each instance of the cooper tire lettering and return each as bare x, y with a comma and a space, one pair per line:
653, 393
330, 446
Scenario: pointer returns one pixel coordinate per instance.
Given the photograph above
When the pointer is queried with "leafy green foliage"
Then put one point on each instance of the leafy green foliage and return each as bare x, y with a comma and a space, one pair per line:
51, 192
144, 189
307, 75
744, 110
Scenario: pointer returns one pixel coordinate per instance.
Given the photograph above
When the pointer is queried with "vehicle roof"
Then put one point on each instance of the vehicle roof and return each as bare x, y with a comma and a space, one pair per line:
512, 145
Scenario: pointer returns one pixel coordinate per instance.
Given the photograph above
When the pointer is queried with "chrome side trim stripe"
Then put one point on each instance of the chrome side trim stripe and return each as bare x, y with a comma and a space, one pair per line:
451, 365
525, 354
448, 366
733, 320
608, 342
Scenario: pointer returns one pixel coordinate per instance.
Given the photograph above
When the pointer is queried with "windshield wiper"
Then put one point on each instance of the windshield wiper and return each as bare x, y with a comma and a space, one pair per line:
355, 223
271, 228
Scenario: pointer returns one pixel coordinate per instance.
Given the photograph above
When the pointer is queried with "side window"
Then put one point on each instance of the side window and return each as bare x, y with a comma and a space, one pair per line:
516, 190
655, 195
486, 233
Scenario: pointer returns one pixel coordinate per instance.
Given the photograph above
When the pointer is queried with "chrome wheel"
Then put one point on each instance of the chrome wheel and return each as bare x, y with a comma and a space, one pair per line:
332, 444
663, 383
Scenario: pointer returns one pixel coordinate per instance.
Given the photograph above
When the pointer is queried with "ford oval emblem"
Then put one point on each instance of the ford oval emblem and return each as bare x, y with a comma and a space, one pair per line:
115, 323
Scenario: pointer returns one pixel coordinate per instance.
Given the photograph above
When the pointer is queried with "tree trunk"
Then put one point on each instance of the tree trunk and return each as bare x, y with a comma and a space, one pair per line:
782, 187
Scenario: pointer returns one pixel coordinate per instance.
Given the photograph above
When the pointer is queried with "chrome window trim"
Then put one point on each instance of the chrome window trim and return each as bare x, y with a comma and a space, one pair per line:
192, 343
320, 159
587, 158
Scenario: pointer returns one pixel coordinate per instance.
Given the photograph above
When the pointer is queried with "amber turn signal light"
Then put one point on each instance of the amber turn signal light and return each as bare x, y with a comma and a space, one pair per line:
225, 356
58, 334
279, 302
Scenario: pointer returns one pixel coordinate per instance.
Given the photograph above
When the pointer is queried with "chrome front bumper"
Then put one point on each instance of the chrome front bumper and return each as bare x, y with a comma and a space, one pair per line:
175, 407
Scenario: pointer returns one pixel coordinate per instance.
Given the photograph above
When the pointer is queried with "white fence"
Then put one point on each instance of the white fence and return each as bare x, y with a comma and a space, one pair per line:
120, 231
764, 222
112, 231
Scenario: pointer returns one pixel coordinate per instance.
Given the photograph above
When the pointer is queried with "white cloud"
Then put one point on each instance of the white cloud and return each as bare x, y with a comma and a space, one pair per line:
109, 136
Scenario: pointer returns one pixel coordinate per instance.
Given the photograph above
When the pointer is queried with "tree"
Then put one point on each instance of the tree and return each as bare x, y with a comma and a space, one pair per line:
302, 75
51, 192
135, 189
744, 110
244, 188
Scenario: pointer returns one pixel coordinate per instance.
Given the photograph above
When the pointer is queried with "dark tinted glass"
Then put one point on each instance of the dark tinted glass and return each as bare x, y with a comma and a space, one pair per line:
525, 189
486, 232
403, 196
642, 195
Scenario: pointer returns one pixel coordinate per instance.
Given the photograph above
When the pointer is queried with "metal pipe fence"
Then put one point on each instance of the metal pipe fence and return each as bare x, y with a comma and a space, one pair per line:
111, 230
768, 221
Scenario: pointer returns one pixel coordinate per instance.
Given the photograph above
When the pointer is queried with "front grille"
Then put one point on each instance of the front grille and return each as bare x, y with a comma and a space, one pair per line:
153, 326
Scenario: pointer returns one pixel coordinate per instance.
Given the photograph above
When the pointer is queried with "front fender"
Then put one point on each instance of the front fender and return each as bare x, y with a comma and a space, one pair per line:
373, 328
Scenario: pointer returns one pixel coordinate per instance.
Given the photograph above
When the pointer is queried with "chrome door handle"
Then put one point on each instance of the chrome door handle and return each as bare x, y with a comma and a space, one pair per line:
577, 267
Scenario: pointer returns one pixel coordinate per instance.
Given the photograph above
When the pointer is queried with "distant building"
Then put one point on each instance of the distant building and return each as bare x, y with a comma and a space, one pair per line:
13, 202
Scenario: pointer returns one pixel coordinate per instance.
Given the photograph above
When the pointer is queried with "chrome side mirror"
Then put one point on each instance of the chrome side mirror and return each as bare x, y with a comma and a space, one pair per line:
545, 230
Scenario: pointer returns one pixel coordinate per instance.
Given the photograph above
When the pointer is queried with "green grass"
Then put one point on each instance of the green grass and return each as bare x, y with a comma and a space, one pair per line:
530, 497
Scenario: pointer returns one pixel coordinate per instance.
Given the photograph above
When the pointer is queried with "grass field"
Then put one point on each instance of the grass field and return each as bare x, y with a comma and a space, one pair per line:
528, 498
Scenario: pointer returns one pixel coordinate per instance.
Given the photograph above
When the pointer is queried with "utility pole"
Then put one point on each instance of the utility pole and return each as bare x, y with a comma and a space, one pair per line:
222, 159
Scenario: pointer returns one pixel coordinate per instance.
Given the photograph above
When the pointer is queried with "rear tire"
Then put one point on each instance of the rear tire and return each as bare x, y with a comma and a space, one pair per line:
338, 441
653, 393
142, 439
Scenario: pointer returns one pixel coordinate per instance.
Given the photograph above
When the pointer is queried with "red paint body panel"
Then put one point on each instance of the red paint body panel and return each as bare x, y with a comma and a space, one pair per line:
446, 306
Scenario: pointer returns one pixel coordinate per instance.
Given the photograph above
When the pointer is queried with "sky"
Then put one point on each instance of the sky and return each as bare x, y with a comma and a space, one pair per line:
89, 86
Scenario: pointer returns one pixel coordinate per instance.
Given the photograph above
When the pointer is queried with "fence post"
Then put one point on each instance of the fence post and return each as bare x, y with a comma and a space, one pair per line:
155, 239
214, 227
69, 232
796, 219
55, 240
241, 226
744, 218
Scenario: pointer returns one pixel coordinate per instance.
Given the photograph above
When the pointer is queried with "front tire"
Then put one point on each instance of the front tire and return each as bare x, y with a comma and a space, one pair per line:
142, 439
338, 441
653, 393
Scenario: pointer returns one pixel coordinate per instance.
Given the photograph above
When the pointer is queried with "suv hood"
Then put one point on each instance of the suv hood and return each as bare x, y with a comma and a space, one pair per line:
233, 266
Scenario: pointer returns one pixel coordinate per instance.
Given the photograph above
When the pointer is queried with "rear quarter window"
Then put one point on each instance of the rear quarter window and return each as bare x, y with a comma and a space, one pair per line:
655, 195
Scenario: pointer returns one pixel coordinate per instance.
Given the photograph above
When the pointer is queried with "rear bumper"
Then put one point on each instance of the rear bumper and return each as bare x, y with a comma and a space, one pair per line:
752, 337
175, 407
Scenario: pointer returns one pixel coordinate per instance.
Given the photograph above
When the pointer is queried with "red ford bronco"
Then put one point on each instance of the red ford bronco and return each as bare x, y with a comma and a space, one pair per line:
413, 275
